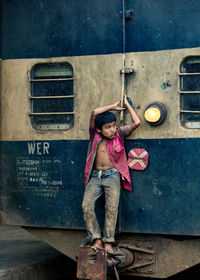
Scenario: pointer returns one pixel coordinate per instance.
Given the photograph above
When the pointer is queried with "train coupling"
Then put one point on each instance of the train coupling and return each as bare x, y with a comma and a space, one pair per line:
126, 258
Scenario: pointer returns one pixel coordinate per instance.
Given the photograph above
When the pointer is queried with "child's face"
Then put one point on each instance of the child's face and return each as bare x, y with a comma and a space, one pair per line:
109, 130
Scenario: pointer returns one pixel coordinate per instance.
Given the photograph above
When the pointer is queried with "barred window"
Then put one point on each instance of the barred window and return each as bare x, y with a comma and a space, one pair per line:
190, 92
52, 96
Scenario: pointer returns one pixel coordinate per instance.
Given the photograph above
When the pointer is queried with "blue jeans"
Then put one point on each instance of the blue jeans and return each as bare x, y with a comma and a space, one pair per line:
107, 181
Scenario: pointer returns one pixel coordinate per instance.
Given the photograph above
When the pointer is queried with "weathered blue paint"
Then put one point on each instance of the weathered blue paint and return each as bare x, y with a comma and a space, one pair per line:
53, 204
42, 28
55, 28
166, 194
162, 25
165, 199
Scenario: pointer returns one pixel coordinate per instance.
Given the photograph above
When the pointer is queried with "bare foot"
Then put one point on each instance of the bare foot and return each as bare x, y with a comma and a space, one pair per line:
97, 245
108, 247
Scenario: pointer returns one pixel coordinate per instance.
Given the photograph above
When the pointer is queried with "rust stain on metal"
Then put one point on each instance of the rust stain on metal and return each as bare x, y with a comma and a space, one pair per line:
92, 264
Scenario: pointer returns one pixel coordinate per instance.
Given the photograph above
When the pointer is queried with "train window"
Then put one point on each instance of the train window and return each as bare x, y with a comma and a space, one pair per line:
52, 96
190, 92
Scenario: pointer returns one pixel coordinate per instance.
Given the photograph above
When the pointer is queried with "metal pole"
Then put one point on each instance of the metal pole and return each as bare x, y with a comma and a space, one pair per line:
123, 60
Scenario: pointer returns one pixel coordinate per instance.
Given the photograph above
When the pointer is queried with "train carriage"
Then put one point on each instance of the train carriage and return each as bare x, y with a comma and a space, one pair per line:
61, 59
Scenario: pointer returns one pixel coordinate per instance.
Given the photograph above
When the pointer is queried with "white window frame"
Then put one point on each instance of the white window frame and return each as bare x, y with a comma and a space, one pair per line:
32, 114
187, 124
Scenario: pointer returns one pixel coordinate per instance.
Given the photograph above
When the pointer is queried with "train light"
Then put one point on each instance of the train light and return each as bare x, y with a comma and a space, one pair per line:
155, 113
152, 114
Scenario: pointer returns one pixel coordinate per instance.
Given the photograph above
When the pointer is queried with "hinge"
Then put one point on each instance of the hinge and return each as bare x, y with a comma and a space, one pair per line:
129, 14
126, 71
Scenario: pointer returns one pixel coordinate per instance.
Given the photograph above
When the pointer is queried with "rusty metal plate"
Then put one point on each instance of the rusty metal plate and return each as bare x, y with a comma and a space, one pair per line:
92, 264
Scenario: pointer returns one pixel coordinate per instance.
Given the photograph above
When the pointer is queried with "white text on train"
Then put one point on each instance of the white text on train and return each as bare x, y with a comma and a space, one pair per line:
39, 148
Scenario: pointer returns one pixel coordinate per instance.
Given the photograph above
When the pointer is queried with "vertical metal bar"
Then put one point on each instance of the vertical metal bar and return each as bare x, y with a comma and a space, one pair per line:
123, 60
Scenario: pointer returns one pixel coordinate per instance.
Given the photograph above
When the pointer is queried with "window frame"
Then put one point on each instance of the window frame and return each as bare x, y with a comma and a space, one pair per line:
187, 124
32, 114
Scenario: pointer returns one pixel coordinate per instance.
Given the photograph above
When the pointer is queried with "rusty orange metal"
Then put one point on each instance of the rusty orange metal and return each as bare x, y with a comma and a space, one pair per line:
92, 264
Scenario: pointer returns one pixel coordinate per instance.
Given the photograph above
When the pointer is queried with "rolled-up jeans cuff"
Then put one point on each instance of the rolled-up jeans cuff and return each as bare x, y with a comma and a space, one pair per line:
108, 240
96, 236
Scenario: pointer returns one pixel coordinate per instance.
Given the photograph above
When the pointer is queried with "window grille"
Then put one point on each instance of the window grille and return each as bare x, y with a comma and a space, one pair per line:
52, 96
190, 92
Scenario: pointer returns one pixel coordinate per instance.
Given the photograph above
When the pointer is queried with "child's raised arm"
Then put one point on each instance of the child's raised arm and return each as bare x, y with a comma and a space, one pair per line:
128, 129
116, 106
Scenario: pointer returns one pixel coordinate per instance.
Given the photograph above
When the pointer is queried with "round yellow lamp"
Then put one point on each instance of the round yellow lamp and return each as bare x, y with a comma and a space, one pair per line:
152, 114
155, 113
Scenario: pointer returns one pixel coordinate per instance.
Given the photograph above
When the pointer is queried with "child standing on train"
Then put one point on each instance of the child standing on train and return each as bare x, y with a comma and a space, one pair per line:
106, 162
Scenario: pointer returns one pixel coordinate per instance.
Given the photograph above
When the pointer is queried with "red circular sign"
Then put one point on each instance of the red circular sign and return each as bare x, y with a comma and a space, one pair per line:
138, 159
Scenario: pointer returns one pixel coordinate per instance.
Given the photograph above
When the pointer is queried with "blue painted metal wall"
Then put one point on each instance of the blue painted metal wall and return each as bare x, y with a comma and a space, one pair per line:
162, 25
165, 198
57, 28
166, 194
42, 28
43, 188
